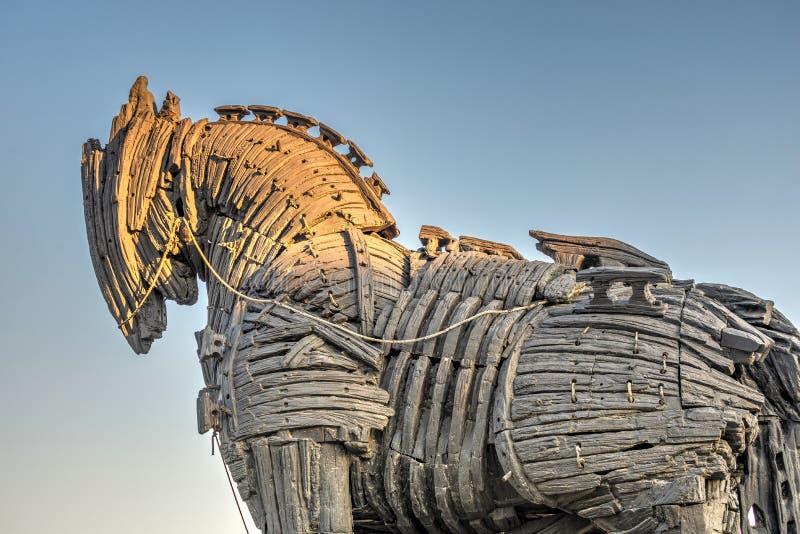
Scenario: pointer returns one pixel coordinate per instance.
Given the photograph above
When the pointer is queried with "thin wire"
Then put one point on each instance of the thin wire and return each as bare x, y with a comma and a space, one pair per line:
344, 329
230, 483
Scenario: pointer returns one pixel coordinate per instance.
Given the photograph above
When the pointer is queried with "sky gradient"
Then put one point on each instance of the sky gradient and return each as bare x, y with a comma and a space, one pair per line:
673, 126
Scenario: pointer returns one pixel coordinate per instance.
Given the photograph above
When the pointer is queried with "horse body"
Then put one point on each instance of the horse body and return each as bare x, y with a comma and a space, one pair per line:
566, 414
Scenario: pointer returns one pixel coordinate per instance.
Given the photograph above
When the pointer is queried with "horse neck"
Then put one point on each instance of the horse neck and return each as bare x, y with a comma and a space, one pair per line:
307, 271
281, 182
260, 189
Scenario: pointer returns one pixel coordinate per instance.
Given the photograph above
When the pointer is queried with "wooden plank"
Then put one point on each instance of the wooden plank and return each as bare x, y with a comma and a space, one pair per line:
335, 512
468, 243
295, 468
439, 320
421, 495
593, 251
502, 424
413, 399
264, 422
462, 418
266, 485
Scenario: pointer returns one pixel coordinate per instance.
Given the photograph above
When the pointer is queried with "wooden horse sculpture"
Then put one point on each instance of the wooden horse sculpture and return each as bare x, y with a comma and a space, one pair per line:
360, 386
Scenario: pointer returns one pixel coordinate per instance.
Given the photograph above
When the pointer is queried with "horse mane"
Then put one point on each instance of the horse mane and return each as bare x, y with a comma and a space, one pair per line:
264, 191
279, 180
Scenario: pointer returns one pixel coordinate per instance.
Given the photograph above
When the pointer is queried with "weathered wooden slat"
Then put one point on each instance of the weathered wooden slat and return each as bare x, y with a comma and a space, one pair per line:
468, 243
362, 265
462, 415
583, 252
403, 436
456, 275
295, 471
746, 305
438, 321
412, 408
421, 495
502, 426
335, 513
344, 390
498, 278
264, 422
266, 485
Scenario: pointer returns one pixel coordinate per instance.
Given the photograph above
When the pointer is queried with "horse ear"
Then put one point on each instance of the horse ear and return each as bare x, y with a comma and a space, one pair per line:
171, 107
140, 103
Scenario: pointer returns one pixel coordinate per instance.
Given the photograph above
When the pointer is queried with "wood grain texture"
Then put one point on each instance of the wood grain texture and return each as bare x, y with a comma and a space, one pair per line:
584, 252
626, 402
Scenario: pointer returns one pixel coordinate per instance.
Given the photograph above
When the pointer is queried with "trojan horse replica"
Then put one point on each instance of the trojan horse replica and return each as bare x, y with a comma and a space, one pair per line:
358, 386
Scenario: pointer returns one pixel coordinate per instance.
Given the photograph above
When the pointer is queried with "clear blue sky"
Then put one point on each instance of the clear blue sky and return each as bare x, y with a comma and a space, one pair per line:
674, 126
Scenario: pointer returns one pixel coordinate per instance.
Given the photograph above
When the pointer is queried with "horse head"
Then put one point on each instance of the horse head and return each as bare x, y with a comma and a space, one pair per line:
252, 187
131, 217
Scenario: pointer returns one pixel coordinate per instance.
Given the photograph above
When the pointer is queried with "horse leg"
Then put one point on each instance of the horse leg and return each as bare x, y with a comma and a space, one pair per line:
304, 485
716, 514
335, 514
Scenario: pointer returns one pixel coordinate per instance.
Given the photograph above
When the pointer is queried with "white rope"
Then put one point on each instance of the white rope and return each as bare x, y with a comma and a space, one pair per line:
338, 326
170, 242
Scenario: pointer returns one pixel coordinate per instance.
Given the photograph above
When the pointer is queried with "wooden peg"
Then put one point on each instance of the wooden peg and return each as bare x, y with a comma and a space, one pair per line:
231, 113
433, 239
330, 136
377, 185
266, 114
299, 121
357, 157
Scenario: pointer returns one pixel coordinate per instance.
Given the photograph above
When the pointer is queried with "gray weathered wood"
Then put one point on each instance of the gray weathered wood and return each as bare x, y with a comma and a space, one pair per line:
619, 400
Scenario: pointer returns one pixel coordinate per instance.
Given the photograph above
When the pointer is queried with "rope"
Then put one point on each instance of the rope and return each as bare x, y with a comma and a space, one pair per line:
336, 326
344, 329
230, 482
170, 242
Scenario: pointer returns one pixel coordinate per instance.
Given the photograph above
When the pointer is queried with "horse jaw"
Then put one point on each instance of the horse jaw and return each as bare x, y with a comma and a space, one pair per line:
150, 323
